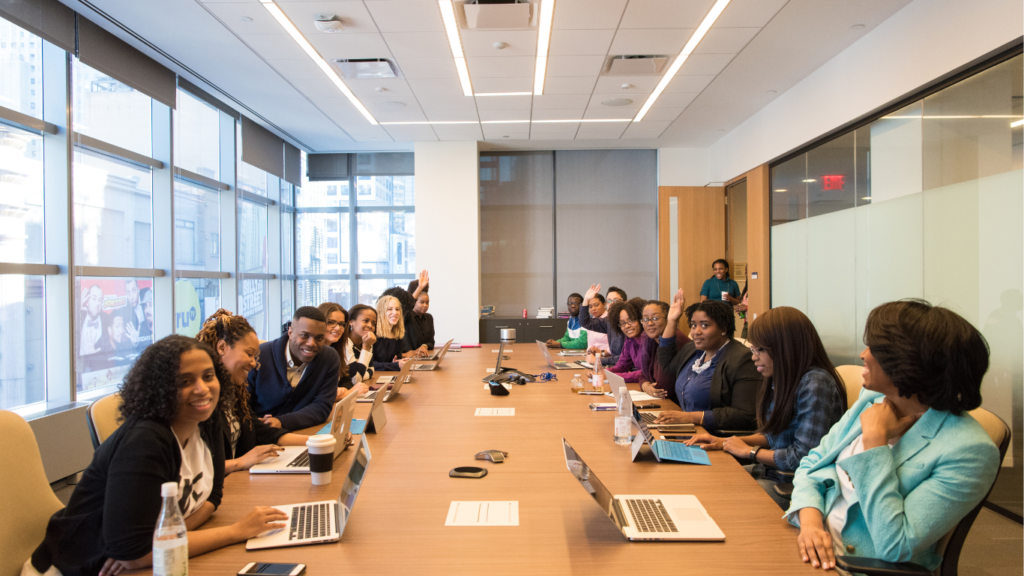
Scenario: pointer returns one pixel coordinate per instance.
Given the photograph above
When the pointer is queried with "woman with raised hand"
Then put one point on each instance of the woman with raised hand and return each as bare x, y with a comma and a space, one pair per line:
907, 462
338, 338
389, 353
600, 324
636, 364
654, 319
362, 335
247, 440
716, 381
801, 398
173, 400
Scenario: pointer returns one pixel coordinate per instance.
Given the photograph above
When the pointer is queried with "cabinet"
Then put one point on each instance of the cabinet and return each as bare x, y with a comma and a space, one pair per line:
527, 329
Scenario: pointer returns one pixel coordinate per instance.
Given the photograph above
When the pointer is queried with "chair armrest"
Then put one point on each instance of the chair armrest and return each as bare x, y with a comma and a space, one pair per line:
784, 489
876, 567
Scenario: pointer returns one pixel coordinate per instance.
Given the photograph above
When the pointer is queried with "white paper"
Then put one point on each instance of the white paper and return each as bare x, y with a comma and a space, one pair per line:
495, 412
494, 513
639, 396
490, 370
505, 384
506, 351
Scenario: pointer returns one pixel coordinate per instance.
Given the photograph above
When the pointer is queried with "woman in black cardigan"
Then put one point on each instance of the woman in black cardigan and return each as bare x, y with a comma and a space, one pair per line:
389, 349
716, 382
247, 440
171, 405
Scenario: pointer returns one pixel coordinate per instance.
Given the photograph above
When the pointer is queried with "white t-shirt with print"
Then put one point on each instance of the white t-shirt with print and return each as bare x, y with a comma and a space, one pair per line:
196, 474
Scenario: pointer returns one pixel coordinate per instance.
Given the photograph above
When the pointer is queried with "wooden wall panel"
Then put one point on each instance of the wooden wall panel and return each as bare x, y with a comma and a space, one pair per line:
758, 241
701, 213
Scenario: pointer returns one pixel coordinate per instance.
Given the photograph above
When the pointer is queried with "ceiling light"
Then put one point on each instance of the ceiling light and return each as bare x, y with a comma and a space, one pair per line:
616, 102
782, 190
866, 198
440, 122
808, 180
691, 45
582, 120
451, 28
503, 94
547, 16
420, 122
504, 121
1017, 123
292, 31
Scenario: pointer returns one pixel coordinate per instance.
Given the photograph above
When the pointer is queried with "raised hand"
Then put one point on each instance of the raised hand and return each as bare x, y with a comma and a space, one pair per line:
675, 310
591, 292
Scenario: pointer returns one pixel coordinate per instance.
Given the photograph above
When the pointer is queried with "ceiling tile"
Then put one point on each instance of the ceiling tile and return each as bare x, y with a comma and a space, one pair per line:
484, 84
689, 83
481, 43
447, 103
504, 114
588, 14
339, 109
274, 46
574, 65
418, 44
383, 113
665, 13
600, 131
725, 40
638, 84
368, 133
665, 41
646, 129
553, 136
406, 16
429, 68
606, 113
567, 131
560, 101
574, 114
339, 46
300, 69
453, 115
706, 63
414, 133
459, 132
661, 113
580, 42
568, 84
353, 15
435, 86
504, 103
676, 99
231, 15
749, 13
597, 98
512, 131
514, 67
393, 88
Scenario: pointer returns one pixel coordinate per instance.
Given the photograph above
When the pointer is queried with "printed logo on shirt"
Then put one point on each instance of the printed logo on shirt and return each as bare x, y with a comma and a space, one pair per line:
189, 494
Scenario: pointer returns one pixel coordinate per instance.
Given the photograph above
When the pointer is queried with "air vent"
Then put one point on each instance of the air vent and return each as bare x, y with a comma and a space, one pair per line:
367, 68
498, 14
635, 65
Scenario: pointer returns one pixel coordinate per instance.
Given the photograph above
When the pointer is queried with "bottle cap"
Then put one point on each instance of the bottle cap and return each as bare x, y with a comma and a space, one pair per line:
169, 489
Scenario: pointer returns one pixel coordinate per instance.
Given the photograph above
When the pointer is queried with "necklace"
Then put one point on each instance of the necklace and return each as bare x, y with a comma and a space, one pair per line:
699, 365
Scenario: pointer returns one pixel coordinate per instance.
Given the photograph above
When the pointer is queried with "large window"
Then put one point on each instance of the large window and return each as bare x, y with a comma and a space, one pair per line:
21, 70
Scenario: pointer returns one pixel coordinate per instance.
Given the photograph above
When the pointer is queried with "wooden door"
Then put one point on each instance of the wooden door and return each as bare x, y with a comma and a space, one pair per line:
691, 235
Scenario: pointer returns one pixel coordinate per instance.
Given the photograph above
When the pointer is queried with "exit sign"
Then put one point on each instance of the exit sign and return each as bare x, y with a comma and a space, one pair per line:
832, 182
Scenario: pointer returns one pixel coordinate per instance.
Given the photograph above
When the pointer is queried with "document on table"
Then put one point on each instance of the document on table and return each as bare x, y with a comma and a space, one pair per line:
497, 513
506, 351
495, 412
639, 396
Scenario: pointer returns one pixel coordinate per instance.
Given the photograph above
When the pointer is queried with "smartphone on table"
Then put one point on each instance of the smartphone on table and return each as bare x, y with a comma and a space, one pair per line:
274, 569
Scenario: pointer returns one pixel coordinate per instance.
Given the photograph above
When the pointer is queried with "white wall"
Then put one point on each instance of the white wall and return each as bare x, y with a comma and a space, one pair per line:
925, 40
448, 235
683, 167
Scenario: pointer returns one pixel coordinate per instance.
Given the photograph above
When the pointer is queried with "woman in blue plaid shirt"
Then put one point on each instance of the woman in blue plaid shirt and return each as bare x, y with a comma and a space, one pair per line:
801, 398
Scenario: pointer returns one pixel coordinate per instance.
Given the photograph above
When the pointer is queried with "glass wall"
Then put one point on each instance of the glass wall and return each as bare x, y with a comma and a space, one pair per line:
925, 202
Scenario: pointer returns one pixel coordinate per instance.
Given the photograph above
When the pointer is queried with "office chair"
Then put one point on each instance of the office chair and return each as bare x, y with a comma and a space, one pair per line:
25, 495
102, 416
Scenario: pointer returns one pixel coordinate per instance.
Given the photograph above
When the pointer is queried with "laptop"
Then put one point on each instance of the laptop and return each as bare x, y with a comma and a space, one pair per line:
318, 522
295, 459
642, 517
438, 352
388, 386
557, 365
664, 449
431, 365
573, 353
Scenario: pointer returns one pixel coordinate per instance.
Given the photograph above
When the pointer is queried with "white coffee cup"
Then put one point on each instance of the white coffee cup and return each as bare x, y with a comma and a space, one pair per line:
321, 454
725, 296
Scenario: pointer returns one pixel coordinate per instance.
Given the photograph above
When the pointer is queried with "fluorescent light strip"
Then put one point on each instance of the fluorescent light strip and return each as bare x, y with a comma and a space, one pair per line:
691, 45
503, 94
451, 28
547, 16
1017, 123
441, 122
582, 120
292, 31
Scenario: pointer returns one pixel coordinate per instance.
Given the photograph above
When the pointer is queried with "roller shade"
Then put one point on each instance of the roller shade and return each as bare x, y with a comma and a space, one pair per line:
292, 164
261, 148
112, 56
206, 97
48, 19
384, 164
326, 167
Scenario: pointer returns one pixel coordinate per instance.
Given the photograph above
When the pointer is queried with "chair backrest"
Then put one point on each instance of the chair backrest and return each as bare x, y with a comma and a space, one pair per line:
25, 495
103, 417
853, 380
951, 545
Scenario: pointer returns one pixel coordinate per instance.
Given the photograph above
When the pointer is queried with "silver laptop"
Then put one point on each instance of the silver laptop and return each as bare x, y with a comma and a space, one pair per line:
438, 352
295, 459
573, 353
643, 517
318, 522
557, 365
431, 364
388, 386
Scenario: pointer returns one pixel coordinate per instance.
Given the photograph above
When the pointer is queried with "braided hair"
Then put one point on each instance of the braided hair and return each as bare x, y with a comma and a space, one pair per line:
223, 325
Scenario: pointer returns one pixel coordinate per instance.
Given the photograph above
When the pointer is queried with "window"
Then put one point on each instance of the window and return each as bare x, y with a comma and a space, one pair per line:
185, 241
287, 251
22, 341
113, 212
197, 136
114, 323
253, 302
196, 227
111, 111
380, 234
16, 74
195, 299
252, 238
21, 194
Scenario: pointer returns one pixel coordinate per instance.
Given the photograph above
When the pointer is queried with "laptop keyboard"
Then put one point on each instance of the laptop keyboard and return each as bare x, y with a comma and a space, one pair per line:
300, 461
650, 516
310, 521
648, 417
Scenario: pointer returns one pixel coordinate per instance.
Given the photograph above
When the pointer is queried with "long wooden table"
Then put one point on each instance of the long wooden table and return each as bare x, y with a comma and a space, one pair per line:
397, 523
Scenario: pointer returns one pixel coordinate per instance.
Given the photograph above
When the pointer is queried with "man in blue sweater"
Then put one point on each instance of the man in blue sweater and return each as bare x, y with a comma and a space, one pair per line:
296, 380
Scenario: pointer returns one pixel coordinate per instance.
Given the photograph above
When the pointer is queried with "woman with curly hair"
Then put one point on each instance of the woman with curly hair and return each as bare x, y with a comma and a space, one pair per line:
247, 440
172, 404
636, 363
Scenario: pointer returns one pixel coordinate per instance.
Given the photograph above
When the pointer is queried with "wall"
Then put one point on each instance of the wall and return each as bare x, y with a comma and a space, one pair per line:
918, 44
448, 235
682, 167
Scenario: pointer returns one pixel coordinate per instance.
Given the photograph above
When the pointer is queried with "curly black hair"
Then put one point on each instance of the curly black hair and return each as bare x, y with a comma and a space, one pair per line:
150, 390
929, 351
718, 312
634, 308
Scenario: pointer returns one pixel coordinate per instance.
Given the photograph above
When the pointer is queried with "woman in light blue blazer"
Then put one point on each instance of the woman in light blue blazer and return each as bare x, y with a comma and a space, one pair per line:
906, 462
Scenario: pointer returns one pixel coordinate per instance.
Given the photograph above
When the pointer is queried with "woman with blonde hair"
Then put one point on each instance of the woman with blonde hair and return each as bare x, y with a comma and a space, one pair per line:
338, 338
247, 440
389, 353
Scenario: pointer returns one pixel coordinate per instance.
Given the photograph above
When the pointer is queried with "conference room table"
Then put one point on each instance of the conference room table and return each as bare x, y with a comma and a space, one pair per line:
397, 524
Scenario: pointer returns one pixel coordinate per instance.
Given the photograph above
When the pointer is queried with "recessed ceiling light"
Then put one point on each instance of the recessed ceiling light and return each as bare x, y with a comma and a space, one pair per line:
451, 28
866, 198
688, 49
245, 19
616, 102
299, 39
782, 190
499, 45
547, 16
808, 180
857, 26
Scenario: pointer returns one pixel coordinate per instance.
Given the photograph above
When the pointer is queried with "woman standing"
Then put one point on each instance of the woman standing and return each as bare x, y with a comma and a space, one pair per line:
720, 286
389, 353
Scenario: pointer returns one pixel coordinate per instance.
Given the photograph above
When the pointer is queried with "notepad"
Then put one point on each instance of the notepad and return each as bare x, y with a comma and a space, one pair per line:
495, 412
680, 452
639, 396
495, 513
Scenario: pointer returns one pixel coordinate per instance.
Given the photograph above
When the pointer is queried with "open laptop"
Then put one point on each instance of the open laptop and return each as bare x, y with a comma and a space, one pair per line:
642, 517
388, 386
664, 449
318, 522
295, 459
432, 365
572, 353
557, 365
438, 352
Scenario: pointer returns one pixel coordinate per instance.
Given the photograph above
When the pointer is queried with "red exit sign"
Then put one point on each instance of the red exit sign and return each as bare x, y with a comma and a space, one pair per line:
832, 182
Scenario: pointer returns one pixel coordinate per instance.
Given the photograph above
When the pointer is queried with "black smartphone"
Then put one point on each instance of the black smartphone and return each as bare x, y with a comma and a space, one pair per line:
648, 406
676, 438
275, 569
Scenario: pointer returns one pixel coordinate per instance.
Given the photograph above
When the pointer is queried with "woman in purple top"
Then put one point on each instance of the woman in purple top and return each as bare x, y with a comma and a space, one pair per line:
654, 320
636, 363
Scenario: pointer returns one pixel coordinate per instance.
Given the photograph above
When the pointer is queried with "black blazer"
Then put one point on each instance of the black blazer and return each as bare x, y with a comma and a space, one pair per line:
384, 351
309, 403
419, 331
734, 384
253, 433
130, 465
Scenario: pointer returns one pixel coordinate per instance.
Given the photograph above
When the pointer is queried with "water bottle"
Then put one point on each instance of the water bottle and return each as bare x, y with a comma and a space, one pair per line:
623, 419
598, 378
170, 540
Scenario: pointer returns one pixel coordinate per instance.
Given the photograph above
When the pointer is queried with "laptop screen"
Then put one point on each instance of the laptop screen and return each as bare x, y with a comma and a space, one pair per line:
547, 355
587, 478
354, 479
